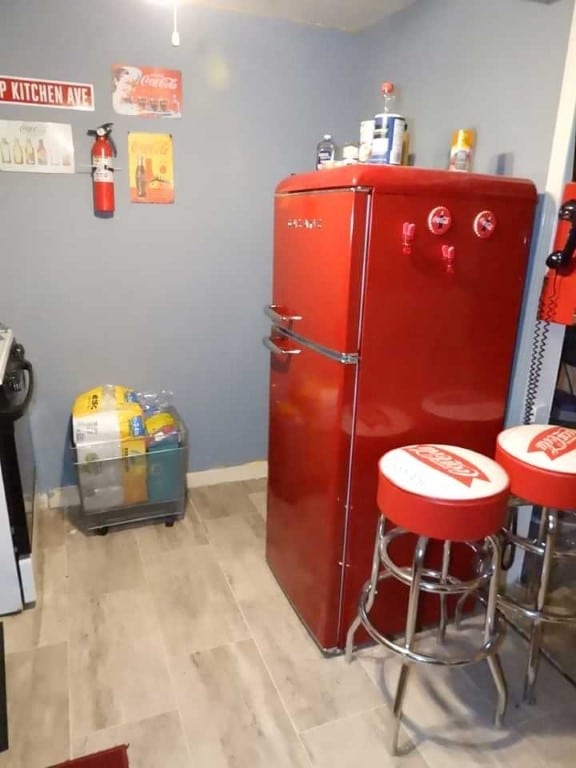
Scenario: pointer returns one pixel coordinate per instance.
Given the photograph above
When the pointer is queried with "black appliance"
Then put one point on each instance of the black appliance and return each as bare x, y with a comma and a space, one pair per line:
17, 476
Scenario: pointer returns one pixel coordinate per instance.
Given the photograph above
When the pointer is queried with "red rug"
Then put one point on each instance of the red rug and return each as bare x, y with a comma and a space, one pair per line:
117, 757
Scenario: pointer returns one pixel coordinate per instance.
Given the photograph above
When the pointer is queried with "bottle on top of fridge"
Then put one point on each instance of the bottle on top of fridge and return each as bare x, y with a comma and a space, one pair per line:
349, 153
325, 152
463, 141
366, 139
388, 91
388, 145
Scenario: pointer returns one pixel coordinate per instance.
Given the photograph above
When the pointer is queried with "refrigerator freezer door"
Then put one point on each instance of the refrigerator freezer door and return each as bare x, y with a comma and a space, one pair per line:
319, 247
308, 469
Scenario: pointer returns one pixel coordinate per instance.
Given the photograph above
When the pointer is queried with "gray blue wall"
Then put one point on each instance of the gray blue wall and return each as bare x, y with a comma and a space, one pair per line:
492, 65
162, 296
171, 296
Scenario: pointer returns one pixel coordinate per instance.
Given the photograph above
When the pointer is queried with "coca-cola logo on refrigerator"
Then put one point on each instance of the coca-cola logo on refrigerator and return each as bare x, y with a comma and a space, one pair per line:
146, 91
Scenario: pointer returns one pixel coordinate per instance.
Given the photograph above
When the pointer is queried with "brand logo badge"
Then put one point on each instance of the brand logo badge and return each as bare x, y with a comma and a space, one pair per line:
554, 442
448, 463
305, 223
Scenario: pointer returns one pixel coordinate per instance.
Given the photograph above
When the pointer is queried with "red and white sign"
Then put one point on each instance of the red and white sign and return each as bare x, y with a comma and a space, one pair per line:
439, 220
46, 93
484, 224
448, 463
554, 442
146, 91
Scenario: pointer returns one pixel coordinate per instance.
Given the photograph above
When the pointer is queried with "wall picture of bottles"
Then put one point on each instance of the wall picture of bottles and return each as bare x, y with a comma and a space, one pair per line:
151, 168
36, 147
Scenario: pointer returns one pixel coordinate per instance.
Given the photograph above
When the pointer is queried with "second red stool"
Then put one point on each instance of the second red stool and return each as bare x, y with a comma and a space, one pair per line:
541, 462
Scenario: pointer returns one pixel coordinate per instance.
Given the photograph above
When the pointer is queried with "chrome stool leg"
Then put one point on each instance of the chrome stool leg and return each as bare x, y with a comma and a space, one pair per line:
534, 575
443, 598
459, 609
412, 617
548, 531
372, 589
490, 630
419, 578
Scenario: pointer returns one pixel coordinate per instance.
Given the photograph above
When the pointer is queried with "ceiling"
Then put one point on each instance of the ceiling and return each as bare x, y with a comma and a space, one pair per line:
347, 15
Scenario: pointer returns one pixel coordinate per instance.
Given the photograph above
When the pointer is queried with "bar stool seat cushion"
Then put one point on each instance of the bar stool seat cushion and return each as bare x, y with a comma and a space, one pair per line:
541, 462
442, 492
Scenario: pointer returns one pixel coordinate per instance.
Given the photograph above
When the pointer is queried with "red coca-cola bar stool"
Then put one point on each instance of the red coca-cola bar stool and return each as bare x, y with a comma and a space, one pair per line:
450, 494
541, 462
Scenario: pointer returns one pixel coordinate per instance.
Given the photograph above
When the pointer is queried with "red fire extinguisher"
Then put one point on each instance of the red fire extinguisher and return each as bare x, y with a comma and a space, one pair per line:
103, 150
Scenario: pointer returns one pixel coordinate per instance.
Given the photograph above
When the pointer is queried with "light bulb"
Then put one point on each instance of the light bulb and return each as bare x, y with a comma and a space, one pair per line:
175, 39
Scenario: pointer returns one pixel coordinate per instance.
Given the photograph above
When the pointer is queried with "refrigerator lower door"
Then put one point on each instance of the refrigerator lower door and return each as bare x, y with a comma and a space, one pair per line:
308, 477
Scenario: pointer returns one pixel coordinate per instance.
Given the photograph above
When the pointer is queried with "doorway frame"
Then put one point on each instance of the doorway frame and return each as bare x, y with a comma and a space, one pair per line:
560, 169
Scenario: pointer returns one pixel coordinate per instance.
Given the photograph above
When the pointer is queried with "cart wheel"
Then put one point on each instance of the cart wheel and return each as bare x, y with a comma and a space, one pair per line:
102, 531
170, 522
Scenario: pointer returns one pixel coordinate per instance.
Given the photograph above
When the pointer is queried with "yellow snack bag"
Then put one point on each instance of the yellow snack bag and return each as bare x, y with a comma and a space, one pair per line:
106, 413
108, 432
134, 470
108, 397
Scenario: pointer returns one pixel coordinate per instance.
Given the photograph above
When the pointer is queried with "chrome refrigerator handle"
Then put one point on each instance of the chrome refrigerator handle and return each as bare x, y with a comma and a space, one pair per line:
269, 344
276, 317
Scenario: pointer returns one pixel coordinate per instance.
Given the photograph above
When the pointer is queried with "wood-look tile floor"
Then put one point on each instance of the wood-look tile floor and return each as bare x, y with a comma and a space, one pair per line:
179, 642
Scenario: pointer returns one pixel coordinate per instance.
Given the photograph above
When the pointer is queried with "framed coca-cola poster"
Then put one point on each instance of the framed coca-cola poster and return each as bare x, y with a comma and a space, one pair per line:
146, 91
151, 168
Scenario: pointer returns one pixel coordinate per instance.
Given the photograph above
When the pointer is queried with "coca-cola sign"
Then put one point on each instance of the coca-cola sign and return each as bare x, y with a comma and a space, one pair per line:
554, 442
146, 91
159, 81
151, 167
448, 463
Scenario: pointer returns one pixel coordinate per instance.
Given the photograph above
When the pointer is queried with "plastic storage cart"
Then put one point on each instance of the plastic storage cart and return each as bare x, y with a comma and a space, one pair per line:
134, 487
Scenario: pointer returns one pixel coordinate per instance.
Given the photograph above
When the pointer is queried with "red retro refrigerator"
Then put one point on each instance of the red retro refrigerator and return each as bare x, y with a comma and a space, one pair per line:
395, 306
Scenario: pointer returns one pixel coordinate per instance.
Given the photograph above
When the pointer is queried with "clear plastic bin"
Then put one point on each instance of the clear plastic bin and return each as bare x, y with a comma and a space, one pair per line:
142, 480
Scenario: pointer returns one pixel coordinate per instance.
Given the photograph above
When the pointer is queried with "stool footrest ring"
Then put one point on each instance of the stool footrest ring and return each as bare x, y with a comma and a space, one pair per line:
529, 612
404, 574
486, 650
535, 547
